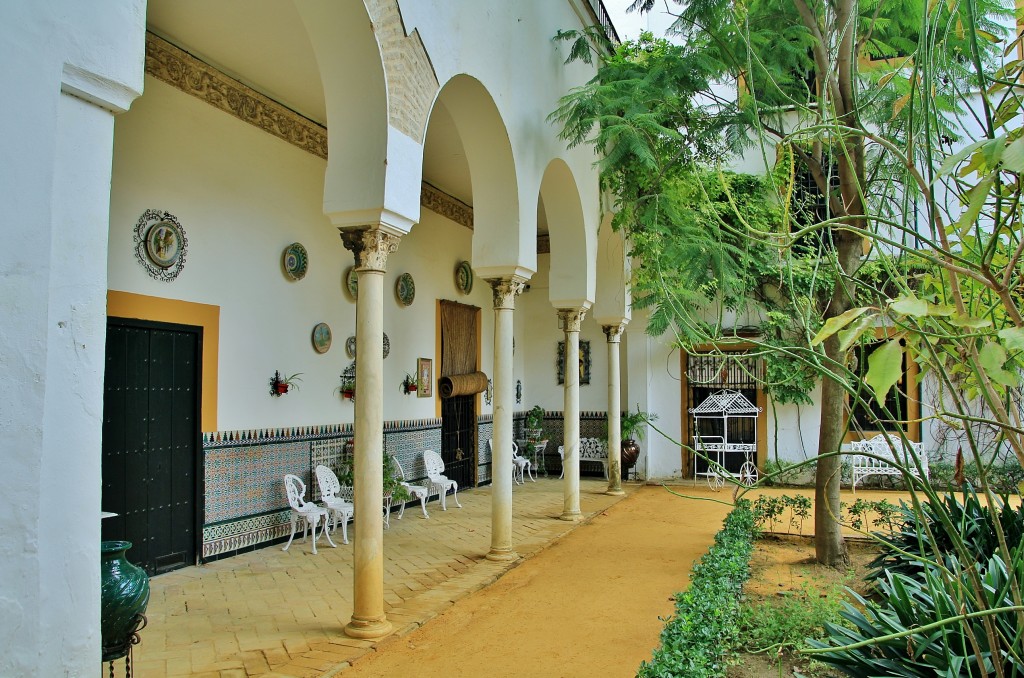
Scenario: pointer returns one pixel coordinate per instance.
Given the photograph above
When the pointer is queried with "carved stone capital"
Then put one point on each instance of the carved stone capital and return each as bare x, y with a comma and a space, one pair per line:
569, 319
371, 247
506, 290
613, 332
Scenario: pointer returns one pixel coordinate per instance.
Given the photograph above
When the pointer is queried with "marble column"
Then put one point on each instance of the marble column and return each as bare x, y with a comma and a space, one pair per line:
371, 248
569, 320
614, 334
506, 290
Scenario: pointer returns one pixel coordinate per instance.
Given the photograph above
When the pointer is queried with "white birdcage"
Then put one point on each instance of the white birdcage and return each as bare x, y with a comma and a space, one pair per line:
727, 406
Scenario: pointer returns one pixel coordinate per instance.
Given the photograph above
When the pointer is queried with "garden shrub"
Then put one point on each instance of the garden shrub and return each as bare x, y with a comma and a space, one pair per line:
699, 638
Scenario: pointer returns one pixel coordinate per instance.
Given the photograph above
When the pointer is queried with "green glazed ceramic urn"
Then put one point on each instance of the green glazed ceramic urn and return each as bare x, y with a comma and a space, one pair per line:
124, 594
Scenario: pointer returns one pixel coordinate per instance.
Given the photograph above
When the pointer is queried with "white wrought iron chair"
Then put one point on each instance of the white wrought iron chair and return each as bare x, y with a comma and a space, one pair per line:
418, 491
439, 483
561, 455
520, 464
311, 514
330, 495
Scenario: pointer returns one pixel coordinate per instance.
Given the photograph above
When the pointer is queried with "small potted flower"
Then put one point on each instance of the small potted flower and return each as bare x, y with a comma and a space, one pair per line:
410, 384
348, 387
280, 385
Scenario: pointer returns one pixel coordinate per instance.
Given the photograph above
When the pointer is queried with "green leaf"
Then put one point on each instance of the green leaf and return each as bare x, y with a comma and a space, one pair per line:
1013, 337
1013, 156
910, 305
978, 196
969, 321
950, 163
940, 310
991, 358
833, 325
850, 335
885, 366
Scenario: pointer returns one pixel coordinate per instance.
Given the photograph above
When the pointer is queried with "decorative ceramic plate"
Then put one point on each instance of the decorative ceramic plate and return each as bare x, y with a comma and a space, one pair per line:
350, 346
464, 277
405, 288
163, 243
352, 282
322, 338
295, 261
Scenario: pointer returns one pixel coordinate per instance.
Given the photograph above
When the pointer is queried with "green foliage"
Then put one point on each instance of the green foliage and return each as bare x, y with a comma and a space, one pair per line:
698, 639
534, 418
921, 626
631, 424
392, 479
769, 510
1002, 478
785, 622
935, 533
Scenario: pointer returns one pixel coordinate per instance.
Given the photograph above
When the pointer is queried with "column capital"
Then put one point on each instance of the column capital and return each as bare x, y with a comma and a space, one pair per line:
569, 319
506, 290
371, 247
614, 332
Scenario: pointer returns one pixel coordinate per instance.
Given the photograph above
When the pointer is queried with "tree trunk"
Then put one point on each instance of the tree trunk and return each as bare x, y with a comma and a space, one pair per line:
829, 546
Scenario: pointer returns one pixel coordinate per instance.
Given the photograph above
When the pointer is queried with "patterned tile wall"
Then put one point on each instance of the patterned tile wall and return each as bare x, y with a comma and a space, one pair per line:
245, 504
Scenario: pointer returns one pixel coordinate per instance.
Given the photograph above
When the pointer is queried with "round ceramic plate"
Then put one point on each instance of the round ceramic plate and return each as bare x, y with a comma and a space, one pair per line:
352, 282
295, 261
464, 277
322, 338
405, 288
163, 243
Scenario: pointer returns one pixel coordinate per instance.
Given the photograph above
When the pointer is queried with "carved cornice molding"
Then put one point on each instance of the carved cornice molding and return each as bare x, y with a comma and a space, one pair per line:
450, 207
180, 69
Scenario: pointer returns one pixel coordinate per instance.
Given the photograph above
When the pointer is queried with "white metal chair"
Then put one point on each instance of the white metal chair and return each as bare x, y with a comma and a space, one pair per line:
439, 483
520, 464
418, 491
330, 494
311, 514
561, 455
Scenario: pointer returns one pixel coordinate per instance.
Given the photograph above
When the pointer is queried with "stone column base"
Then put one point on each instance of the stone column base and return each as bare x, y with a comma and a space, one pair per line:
571, 516
368, 629
615, 493
501, 555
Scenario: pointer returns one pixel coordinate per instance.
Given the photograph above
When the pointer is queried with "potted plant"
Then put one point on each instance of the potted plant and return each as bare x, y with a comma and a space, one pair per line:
280, 385
347, 389
534, 423
410, 384
633, 431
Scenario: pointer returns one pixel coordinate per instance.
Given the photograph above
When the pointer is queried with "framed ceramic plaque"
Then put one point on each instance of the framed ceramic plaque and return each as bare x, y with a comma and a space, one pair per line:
160, 244
321, 338
295, 261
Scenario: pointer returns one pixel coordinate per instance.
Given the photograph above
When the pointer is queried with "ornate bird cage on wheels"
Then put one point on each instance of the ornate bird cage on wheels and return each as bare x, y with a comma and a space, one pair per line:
725, 437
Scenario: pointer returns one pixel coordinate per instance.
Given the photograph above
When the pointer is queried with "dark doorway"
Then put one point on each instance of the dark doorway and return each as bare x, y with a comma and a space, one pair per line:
458, 438
151, 441
460, 328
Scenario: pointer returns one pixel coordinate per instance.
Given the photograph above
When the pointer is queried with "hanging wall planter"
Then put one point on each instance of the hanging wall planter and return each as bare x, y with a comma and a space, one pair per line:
124, 595
280, 385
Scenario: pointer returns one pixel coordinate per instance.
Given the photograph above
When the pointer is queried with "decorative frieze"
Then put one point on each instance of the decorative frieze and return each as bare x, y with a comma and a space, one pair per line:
180, 69
449, 207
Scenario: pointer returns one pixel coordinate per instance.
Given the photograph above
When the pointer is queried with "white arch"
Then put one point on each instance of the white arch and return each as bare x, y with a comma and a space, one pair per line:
501, 241
359, 187
573, 249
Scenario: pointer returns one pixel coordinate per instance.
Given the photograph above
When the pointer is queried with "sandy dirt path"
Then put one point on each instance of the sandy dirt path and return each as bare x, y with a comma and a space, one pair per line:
586, 606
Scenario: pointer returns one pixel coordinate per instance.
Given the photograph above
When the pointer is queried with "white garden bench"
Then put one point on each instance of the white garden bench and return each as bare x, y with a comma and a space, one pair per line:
591, 449
882, 462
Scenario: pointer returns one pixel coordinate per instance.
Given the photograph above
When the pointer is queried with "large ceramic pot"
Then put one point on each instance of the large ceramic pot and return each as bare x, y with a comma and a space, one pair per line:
630, 453
124, 594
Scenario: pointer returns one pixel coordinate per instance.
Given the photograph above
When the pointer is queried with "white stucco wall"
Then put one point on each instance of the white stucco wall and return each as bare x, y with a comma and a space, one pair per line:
537, 336
242, 196
54, 184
